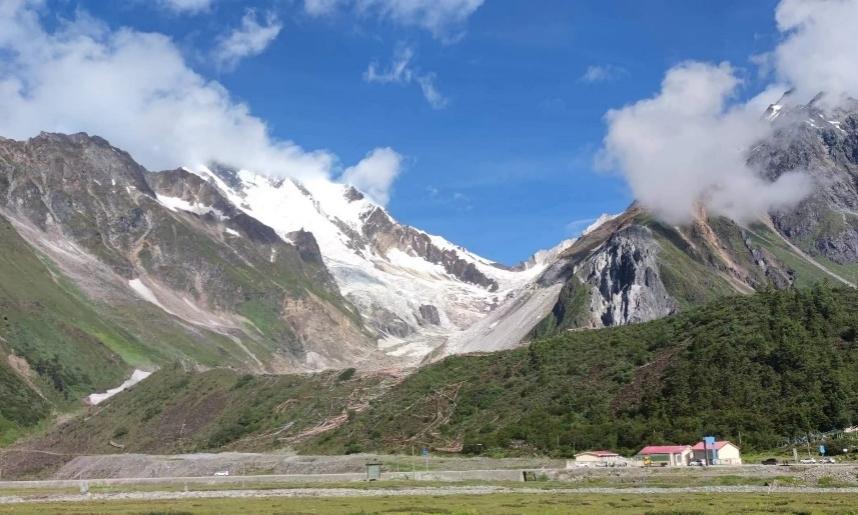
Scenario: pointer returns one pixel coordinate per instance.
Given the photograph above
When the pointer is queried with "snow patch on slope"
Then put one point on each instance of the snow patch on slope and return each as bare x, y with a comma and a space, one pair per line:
180, 204
603, 218
136, 377
145, 293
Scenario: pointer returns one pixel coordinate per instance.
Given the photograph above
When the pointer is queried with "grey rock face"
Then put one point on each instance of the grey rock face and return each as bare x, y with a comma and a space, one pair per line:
429, 315
385, 233
308, 248
775, 272
388, 322
624, 280
822, 142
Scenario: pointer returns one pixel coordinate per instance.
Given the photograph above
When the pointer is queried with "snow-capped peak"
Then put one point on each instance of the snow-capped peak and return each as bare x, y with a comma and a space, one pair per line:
603, 218
413, 288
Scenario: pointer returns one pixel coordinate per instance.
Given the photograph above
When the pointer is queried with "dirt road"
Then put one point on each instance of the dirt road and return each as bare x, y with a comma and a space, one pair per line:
399, 492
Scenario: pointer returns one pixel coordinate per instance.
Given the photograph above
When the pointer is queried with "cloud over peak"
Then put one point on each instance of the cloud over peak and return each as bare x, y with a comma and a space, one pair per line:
686, 147
818, 52
375, 173
135, 89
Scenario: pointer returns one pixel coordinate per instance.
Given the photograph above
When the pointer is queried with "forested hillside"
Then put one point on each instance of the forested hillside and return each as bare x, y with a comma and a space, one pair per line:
757, 368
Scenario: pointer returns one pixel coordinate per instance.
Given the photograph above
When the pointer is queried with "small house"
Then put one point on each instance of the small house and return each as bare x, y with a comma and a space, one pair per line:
594, 459
720, 453
665, 455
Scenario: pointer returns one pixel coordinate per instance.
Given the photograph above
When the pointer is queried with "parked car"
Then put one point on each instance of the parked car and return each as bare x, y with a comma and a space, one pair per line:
807, 461
695, 463
828, 459
770, 461
222, 473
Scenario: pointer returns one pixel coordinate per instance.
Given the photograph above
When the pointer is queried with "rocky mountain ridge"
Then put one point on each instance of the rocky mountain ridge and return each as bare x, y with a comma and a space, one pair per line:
414, 290
213, 266
216, 275
635, 268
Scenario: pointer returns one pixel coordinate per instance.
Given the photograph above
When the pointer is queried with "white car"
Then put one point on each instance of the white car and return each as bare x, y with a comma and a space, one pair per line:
828, 459
222, 473
807, 461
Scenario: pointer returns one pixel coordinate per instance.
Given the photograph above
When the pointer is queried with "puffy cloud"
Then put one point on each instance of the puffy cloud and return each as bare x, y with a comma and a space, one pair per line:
603, 73
818, 52
186, 6
443, 18
249, 39
401, 71
136, 90
687, 146
374, 174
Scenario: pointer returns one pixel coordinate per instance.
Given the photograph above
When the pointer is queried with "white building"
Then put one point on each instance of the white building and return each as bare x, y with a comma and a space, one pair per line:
720, 453
594, 459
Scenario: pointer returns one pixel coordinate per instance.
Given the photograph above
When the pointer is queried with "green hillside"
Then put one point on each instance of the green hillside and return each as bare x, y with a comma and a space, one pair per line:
54, 348
178, 411
758, 368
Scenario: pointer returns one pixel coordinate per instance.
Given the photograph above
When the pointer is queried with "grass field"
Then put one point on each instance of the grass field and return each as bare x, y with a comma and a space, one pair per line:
495, 504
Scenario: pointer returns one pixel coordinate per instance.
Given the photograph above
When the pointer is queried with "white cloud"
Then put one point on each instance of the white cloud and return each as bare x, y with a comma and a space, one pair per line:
249, 39
187, 6
818, 52
136, 90
322, 7
445, 19
374, 174
603, 73
401, 71
687, 147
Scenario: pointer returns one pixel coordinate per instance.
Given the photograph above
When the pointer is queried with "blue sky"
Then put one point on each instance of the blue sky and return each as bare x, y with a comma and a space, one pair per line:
506, 165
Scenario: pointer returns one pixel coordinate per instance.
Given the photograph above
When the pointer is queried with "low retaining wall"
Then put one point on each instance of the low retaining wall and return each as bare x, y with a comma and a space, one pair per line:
432, 475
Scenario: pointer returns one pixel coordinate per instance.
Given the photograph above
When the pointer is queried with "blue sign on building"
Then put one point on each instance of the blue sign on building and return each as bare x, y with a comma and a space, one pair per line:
822, 450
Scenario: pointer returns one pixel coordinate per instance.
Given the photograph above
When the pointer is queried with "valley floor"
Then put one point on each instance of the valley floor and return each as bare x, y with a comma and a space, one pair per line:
745, 489
465, 500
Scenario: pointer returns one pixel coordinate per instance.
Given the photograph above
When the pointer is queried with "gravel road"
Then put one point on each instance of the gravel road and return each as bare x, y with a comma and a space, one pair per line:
427, 491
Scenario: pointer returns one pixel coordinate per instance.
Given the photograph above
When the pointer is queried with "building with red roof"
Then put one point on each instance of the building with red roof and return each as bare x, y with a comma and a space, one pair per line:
666, 455
722, 452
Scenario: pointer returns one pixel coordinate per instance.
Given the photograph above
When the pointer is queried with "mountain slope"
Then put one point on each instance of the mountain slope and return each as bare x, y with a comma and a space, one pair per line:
635, 268
767, 367
414, 290
764, 367
98, 277
217, 267
110, 267
227, 283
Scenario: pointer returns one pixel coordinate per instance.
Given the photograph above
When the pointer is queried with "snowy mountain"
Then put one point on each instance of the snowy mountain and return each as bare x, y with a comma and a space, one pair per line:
414, 290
